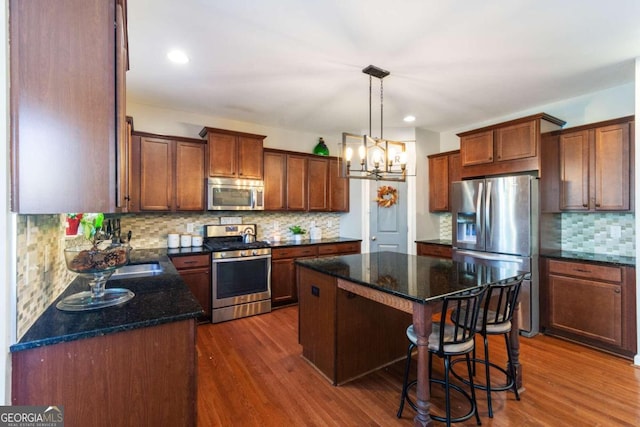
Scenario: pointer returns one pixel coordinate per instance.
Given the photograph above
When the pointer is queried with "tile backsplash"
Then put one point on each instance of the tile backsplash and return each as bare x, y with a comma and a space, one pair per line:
41, 270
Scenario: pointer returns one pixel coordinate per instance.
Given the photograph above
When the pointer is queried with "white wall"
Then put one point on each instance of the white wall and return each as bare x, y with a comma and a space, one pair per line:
637, 217
427, 224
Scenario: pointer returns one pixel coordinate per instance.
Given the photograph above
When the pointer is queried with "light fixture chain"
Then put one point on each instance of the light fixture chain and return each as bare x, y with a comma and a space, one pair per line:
370, 87
381, 110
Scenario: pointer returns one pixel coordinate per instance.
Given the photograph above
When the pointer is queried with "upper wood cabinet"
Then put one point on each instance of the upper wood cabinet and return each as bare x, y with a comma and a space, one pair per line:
303, 182
67, 69
444, 168
509, 147
591, 168
167, 173
234, 154
338, 187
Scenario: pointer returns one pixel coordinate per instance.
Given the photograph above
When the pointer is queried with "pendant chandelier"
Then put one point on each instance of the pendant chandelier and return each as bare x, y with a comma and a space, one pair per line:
377, 158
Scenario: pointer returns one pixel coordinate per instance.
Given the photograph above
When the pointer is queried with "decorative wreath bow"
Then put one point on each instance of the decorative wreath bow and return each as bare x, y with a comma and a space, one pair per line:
387, 196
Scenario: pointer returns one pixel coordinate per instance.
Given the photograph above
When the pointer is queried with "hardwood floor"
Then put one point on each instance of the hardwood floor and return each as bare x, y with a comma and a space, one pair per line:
251, 373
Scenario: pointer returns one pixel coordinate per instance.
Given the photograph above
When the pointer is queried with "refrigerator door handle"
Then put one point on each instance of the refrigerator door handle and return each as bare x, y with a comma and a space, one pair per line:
487, 215
479, 216
488, 257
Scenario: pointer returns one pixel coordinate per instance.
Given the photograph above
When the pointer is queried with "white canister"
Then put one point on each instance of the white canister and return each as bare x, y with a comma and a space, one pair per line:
173, 241
185, 240
196, 240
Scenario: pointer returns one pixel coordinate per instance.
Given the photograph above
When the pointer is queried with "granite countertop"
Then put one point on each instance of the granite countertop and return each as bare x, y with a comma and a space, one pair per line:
158, 299
193, 250
442, 242
417, 278
589, 257
287, 243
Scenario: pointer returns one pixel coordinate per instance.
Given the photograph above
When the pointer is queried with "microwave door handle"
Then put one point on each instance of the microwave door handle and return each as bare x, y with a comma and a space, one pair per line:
479, 223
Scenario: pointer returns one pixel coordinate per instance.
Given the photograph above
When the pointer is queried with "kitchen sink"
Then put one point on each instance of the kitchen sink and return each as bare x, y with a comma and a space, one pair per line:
137, 270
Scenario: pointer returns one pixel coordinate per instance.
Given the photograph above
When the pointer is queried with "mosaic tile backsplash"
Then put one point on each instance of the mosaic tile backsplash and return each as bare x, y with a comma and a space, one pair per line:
585, 232
42, 274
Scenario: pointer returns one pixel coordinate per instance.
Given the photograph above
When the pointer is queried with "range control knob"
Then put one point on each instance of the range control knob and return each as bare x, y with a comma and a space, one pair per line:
254, 252
243, 253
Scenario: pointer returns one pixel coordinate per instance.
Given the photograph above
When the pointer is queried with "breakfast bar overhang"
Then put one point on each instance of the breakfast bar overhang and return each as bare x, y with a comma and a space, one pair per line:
354, 309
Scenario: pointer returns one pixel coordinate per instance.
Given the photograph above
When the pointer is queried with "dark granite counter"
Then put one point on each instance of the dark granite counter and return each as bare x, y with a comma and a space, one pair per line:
194, 250
590, 257
441, 242
158, 299
288, 243
418, 278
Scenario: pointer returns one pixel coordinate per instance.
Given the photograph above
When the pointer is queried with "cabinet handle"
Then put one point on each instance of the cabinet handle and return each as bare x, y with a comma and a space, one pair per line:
190, 262
581, 270
584, 205
597, 205
617, 291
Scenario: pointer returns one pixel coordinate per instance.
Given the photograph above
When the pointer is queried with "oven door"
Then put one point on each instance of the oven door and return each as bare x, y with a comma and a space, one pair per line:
240, 280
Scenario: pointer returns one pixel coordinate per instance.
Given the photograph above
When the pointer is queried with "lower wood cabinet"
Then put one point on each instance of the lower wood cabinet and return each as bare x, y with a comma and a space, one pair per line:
139, 377
434, 250
283, 269
195, 270
589, 303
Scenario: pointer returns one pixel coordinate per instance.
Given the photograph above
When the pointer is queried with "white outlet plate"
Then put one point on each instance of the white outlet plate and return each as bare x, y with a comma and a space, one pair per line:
190, 227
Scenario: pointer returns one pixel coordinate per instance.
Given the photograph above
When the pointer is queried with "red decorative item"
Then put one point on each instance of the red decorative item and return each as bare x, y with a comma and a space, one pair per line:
73, 221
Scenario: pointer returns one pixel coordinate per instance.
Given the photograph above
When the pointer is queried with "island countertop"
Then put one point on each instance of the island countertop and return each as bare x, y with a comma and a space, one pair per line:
417, 278
158, 299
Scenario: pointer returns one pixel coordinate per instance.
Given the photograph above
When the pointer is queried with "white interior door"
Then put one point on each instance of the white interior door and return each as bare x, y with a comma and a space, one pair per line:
388, 223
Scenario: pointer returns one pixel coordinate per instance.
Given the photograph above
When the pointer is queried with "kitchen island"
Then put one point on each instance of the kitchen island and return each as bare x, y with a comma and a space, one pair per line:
336, 328
133, 364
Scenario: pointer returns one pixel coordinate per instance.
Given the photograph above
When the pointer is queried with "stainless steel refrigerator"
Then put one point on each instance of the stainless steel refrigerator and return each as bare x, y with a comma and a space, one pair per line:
495, 221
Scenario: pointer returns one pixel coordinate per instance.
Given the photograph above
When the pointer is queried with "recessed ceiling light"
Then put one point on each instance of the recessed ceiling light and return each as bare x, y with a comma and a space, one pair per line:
178, 57
410, 119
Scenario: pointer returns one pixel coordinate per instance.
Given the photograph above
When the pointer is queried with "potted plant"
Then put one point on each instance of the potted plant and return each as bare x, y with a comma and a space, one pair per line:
73, 221
298, 232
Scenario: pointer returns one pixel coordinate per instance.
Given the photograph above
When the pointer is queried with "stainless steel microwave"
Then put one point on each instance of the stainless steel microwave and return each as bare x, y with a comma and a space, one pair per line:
228, 194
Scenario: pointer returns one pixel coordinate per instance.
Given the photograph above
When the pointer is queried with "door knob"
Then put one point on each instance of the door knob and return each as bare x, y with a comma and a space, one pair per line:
373, 238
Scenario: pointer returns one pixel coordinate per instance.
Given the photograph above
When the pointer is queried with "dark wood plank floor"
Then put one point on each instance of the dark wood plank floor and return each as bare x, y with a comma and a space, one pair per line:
251, 373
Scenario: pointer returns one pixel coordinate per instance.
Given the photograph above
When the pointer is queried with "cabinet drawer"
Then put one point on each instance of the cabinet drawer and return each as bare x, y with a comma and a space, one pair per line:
339, 248
192, 261
434, 250
589, 271
294, 252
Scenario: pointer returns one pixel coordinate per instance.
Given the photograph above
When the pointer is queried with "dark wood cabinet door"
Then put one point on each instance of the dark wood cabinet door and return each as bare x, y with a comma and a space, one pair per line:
189, 182
338, 187
156, 174
63, 106
275, 178
612, 165
517, 141
250, 161
199, 282
223, 155
455, 167
318, 183
574, 170
438, 183
283, 282
477, 148
296, 182
123, 125
433, 250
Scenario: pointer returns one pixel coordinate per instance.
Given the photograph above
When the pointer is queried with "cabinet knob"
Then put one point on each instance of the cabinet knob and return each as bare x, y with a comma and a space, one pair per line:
617, 291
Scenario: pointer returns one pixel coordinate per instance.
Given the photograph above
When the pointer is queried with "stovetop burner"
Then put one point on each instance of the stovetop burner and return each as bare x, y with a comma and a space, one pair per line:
220, 238
215, 245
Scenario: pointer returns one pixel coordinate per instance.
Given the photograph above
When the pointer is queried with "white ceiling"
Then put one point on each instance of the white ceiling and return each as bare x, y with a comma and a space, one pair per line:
297, 63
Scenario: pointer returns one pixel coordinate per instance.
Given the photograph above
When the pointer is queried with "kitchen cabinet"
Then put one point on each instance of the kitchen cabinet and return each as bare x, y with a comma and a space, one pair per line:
283, 271
303, 182
595, 168
338, 187
234, 154
137, 377
124, 124
590, 303
66, 111
195, 270
509, 147
168, 173
434, 250
444, 168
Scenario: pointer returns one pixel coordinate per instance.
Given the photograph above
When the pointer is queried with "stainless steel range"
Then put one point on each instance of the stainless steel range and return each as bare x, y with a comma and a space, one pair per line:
240, 273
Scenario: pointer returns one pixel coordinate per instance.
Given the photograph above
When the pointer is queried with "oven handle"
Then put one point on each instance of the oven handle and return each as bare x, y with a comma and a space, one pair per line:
241, 258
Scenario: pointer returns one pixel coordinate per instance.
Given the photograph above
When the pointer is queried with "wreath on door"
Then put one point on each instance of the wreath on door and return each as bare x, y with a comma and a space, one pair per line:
387, 196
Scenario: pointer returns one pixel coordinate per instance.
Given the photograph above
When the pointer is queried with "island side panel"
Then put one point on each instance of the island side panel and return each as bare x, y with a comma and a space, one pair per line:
144, 376
370, 335
317, 319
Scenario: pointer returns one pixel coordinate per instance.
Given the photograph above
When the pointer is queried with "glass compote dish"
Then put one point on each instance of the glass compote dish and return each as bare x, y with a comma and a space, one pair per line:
97, 265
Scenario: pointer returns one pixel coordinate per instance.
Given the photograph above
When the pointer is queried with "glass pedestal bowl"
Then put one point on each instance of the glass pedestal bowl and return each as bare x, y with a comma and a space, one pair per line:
96, 265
